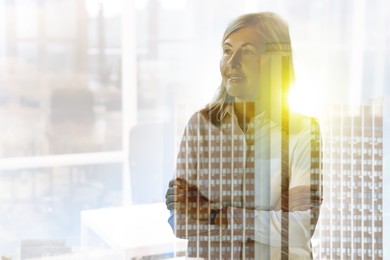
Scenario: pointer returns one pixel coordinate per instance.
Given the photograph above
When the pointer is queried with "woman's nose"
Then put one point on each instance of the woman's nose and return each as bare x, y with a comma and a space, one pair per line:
235, 59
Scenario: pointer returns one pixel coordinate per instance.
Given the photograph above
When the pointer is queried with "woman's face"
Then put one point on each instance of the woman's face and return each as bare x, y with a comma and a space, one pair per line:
240, 63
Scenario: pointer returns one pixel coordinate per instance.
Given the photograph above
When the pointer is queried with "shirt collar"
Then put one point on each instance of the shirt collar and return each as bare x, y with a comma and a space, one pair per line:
259, 120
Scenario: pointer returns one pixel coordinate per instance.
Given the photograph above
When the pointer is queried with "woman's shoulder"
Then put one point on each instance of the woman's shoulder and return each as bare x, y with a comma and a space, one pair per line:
196, 117
197, 120
300, 123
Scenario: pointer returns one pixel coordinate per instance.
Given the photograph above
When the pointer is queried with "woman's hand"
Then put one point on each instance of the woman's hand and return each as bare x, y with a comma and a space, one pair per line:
221, 218
186, 199
175, 193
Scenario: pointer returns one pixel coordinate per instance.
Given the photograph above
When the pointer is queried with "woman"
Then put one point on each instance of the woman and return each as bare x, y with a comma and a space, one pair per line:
248, 180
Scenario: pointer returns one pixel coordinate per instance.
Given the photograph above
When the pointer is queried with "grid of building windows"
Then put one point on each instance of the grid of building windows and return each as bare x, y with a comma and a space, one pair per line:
350, 225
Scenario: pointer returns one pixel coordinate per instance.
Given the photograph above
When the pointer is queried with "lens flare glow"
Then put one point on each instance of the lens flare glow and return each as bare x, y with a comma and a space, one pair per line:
305, 99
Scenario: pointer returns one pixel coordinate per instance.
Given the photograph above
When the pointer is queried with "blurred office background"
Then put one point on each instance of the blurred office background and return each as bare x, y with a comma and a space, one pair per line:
94, 96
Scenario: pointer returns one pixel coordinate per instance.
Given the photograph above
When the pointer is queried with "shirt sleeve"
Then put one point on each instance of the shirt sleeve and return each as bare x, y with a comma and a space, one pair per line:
265, 226
187, 169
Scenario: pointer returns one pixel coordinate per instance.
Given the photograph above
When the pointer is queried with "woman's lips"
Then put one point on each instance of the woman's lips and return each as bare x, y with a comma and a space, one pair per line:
235, 78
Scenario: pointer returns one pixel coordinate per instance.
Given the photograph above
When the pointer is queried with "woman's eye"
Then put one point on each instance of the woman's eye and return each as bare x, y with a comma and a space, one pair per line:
227, 51
248, 52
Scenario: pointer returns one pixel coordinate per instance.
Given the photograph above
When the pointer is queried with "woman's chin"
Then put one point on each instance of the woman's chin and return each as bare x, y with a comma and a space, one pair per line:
238, 93
234, 91
241, 97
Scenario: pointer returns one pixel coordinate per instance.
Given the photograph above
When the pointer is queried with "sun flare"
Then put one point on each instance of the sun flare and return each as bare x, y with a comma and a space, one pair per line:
305, 99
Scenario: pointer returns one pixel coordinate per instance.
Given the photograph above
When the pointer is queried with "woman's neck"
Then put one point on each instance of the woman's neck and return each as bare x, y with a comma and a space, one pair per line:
244, 111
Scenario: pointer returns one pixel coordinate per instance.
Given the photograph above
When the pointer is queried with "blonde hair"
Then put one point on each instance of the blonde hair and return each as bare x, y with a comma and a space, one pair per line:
274, 30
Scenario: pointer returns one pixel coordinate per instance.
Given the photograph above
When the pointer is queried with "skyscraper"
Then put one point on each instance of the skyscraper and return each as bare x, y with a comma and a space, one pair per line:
350, 224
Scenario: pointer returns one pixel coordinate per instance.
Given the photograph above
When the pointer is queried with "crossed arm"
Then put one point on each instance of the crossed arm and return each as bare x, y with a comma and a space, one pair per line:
191, 209
187, 199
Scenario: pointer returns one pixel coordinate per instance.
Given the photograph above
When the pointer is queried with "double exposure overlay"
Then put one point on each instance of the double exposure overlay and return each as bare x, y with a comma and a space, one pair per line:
174, 129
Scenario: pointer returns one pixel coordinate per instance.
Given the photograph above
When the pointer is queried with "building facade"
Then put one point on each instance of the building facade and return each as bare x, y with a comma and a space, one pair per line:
351, 224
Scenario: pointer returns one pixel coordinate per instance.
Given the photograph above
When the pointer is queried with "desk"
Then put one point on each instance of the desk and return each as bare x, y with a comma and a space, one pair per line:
134, 231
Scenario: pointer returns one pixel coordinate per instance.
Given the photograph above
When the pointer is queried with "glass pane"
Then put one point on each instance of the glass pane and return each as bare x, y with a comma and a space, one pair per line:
64, 84
61, 89
63, 19
27, 19
43, 206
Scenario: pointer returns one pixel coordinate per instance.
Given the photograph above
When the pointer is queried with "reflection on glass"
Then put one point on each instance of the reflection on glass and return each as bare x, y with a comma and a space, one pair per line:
61, 82
45, 204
